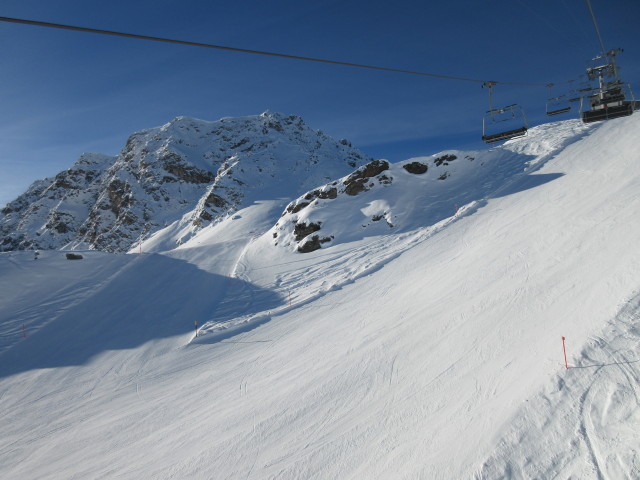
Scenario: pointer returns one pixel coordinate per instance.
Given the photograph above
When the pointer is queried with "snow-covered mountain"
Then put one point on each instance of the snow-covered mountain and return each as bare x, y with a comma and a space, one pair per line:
183, 175
423, 339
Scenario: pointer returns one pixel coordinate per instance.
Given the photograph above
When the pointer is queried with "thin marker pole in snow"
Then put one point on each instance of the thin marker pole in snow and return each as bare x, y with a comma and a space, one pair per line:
24, 331
565, 354
195, 322
289, 297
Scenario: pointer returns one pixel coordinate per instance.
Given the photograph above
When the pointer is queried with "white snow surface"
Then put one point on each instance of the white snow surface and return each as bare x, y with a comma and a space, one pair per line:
427, 349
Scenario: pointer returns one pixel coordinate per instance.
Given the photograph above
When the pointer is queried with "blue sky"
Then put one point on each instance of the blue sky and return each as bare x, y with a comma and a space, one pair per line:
64, 93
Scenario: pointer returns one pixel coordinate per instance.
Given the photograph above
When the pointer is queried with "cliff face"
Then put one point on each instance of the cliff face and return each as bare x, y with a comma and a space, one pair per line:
187, 173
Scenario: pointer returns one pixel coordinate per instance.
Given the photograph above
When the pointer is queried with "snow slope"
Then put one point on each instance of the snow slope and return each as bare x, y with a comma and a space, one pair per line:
427, 350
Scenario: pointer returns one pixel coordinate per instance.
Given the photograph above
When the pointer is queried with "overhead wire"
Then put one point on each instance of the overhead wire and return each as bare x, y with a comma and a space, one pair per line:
256, 52
595, 24
541, 17
576, 23
544, 18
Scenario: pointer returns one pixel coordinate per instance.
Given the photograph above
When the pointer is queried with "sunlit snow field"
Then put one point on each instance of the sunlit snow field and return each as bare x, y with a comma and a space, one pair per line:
430, 349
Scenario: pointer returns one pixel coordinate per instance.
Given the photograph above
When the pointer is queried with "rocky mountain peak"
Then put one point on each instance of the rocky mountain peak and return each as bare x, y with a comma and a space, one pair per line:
185, 174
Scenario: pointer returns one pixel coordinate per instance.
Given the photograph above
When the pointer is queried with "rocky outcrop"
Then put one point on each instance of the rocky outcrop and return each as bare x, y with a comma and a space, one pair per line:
294, 226
417, 168
312, 244
372, 200
359, 181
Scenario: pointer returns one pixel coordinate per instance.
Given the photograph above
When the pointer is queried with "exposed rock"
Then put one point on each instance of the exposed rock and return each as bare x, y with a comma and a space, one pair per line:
416, 168
331, 193
301, 230
444, 159
73, 256
60, 222
296, 207
175, 165
358, 181
215, 200
312, 244
384, 180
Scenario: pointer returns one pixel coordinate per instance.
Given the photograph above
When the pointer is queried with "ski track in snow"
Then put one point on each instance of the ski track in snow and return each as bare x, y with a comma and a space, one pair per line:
585, 425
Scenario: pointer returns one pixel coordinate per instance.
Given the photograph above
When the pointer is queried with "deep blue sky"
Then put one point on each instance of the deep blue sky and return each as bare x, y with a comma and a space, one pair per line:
64, 93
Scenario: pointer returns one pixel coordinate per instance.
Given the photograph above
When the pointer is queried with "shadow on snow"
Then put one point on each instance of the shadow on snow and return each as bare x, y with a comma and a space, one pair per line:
153, 297
527, 182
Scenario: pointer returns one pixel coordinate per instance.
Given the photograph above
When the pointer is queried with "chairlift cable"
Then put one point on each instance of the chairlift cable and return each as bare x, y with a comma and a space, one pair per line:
579, 24
254, 52
541, 17
595, 24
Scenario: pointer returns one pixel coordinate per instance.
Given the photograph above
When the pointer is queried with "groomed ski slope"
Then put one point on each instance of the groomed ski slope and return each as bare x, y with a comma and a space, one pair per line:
433, 353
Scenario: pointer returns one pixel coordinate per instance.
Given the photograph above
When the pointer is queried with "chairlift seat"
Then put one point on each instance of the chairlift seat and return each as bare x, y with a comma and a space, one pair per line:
608, 112
497, 137
614, 95
558, 105
558, 111
513, 114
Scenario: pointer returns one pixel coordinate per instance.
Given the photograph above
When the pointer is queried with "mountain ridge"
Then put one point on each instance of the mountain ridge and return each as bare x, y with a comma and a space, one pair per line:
187, 173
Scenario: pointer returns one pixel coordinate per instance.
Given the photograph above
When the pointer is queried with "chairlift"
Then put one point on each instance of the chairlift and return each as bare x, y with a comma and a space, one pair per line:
574, 97
585, 89
557, 105
578, 94
608, 100
502, 123
575, 94
607, 103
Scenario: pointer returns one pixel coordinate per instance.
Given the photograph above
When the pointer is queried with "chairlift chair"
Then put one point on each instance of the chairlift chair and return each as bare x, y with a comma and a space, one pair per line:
608, 100
500, 124
557, 105
607, 103
578, 94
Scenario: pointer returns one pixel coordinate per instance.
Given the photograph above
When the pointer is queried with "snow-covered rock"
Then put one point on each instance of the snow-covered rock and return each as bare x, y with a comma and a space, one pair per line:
381, 198
184, 175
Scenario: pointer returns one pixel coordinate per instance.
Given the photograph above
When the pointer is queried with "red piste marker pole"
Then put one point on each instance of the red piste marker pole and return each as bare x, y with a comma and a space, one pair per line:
565, 354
